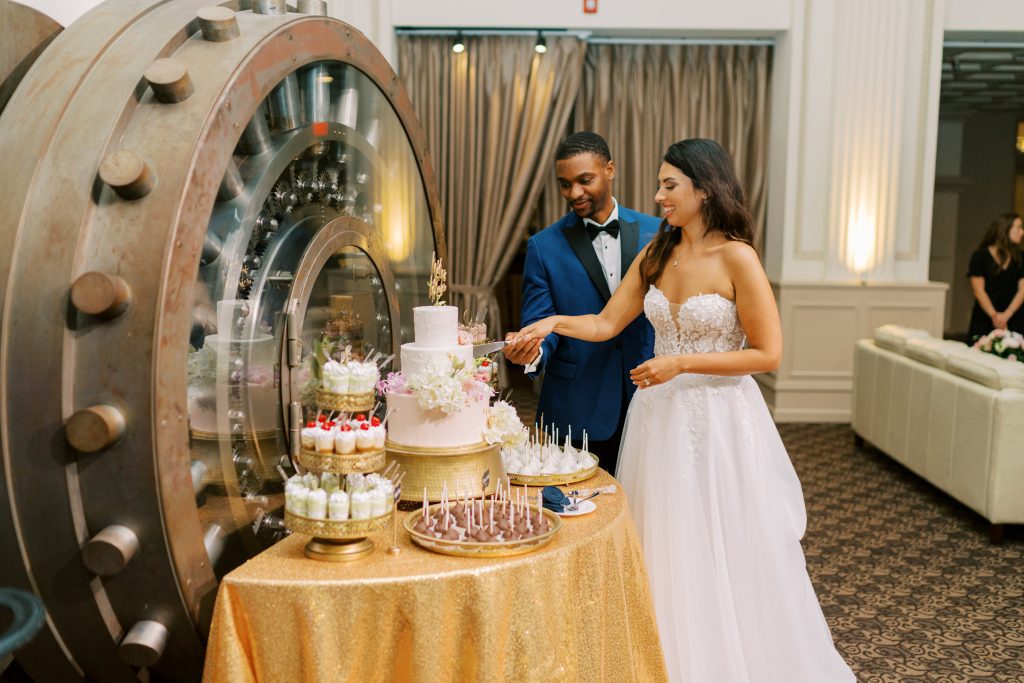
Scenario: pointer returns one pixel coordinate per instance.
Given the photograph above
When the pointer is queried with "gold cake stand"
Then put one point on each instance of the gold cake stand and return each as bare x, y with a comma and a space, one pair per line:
460, 467
336, 540
476, 548
346, 403
555, 479
366, 461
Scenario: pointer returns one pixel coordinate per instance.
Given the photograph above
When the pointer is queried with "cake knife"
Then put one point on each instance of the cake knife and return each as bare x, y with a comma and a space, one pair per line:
487, 349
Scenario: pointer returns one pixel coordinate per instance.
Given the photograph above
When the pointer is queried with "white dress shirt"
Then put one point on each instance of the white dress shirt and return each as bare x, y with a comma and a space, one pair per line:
607, 249
609, 255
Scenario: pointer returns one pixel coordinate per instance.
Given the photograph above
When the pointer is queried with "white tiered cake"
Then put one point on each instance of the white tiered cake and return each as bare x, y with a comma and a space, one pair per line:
229, 357
436, 333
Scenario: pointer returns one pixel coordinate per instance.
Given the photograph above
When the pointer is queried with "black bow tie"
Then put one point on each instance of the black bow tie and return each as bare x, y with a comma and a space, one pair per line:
594, 230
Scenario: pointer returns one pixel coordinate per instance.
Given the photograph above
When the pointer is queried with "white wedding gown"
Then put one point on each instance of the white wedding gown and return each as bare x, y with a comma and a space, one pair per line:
720, 515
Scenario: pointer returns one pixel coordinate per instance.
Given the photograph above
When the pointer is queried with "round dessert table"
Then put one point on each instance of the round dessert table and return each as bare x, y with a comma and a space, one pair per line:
577, 609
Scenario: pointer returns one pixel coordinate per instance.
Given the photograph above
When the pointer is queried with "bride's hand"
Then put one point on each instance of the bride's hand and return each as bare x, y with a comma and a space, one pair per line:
657, 370
537, 330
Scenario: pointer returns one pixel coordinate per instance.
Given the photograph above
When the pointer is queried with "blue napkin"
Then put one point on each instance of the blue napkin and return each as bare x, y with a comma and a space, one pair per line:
554, 499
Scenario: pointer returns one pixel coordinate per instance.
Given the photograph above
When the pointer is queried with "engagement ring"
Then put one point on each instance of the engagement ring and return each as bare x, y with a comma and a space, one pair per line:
647, 382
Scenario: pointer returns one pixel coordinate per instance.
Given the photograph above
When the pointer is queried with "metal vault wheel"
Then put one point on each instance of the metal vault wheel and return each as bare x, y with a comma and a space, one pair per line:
159, 158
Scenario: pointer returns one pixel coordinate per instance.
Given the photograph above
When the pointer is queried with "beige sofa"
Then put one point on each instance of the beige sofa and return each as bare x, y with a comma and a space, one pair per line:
953, 415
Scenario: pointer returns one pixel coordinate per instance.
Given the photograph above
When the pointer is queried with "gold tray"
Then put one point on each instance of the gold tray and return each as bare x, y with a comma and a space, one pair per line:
346, 403
554, 479
366, 461
477, 549
335, 529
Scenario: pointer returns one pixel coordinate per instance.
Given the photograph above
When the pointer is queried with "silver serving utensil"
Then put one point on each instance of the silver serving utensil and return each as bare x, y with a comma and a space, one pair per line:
576, 501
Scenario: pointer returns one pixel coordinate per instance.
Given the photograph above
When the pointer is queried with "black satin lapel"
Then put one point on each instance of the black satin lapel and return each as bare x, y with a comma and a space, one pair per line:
584, 250
629, 242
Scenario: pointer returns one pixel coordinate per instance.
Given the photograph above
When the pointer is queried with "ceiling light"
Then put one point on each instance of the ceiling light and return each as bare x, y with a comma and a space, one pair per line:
459, 46
541, 47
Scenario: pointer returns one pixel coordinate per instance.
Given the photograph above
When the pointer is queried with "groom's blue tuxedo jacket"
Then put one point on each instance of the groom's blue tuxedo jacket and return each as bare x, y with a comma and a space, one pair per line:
583, 381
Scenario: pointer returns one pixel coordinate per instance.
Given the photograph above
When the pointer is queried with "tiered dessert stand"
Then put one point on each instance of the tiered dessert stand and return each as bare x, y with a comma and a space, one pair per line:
340, 540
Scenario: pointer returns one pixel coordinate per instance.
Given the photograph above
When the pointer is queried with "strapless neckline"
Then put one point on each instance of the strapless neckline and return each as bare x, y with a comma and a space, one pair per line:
692, 298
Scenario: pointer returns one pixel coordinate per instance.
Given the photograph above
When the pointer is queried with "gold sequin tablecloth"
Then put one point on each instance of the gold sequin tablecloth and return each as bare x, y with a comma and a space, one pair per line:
579, 609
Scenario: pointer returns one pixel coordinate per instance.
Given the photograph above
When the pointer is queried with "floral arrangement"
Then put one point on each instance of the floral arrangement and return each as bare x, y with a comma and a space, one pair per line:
447, 386
504, 426
203, 368
1002, 343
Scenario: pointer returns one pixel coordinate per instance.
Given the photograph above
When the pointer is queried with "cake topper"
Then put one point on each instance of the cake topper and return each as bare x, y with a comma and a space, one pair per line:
438, 281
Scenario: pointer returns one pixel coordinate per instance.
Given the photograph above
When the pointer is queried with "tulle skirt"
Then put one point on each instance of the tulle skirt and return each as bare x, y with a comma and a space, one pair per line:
720, 515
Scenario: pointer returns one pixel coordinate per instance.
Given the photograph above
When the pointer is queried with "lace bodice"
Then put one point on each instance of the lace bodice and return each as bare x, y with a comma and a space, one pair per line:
701, 324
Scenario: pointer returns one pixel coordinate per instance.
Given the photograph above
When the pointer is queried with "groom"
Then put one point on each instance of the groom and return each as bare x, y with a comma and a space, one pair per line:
572, 268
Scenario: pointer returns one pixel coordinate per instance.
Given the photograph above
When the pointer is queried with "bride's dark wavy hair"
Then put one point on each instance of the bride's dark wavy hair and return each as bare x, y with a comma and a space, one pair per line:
710, 169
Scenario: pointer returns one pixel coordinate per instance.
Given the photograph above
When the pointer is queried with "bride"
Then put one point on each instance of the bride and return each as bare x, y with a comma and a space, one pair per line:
714, 496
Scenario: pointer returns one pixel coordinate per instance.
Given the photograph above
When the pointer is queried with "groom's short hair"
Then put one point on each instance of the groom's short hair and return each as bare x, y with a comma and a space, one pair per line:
583, 142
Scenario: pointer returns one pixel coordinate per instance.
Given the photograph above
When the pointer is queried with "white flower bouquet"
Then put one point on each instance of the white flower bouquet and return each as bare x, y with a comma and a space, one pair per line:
1002, 343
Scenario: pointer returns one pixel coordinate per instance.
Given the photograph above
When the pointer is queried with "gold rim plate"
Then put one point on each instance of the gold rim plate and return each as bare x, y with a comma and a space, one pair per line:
555, 479
476, 549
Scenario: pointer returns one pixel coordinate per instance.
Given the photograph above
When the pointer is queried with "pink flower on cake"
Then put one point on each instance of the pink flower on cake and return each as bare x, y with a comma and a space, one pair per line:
477, 390
394, 384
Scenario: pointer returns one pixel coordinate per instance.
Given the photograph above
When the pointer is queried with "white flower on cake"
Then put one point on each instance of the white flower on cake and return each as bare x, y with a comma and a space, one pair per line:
440, 393
447, 386
504, 426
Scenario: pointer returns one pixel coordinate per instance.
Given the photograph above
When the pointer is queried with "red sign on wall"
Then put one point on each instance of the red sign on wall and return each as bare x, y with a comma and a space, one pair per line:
590, 6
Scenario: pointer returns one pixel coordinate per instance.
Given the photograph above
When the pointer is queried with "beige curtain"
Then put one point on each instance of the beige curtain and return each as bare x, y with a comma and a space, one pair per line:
642, 98
493, 116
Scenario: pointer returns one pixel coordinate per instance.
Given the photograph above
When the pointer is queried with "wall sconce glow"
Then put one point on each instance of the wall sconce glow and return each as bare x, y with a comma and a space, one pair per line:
395, 215
860, 243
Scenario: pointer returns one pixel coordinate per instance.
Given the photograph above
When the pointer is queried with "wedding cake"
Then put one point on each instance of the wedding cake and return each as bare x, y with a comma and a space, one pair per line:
432, 409
233, 371
440, 425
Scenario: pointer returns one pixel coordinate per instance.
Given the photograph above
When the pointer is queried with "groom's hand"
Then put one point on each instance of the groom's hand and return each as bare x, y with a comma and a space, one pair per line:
521, 354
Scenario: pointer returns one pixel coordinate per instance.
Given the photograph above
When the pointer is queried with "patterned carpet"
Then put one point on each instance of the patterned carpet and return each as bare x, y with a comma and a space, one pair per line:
906, 576
910, 585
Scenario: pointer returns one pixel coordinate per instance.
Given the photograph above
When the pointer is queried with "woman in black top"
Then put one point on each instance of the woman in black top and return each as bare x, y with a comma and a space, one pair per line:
997, 278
